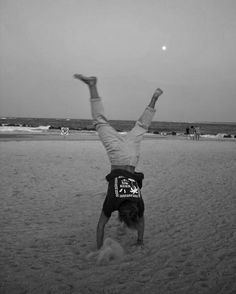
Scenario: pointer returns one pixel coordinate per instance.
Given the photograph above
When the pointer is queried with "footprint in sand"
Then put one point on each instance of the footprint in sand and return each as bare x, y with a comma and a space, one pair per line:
121, 231
111, 251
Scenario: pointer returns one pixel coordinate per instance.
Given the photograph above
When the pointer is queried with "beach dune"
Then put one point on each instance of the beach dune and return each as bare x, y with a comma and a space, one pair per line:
51, 198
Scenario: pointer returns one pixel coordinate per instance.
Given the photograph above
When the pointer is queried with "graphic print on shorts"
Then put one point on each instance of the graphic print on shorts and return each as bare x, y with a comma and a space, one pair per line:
126, 187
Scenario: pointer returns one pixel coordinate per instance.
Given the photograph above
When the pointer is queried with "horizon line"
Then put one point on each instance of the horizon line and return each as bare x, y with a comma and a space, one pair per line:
67, 118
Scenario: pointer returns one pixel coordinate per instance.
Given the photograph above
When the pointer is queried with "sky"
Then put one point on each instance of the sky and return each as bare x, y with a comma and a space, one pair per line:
43, 43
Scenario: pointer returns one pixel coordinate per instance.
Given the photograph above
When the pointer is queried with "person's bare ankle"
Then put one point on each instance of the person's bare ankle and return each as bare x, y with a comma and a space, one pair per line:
90, 81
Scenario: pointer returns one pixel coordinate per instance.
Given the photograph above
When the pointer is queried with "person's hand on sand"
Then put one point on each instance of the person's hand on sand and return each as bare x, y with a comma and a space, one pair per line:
139, 244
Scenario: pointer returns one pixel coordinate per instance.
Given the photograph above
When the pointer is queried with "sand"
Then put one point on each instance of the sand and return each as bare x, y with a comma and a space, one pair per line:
51, 198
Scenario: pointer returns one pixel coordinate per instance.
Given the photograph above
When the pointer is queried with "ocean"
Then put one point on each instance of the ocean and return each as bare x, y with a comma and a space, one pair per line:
37, 125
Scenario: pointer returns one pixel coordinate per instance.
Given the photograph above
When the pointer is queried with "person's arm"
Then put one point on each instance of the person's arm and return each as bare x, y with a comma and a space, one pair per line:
140, 229
100, 229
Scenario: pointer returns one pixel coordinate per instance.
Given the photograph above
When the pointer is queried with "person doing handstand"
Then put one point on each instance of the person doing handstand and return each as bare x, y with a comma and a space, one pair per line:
124, 183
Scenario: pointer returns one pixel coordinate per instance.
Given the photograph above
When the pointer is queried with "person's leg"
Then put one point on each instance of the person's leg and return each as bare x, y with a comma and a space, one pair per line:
135, 136
144, 122
110, 138
91, 82
97, 109
155, 97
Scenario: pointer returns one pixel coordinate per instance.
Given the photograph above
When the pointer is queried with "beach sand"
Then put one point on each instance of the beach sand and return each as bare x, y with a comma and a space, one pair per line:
51, 198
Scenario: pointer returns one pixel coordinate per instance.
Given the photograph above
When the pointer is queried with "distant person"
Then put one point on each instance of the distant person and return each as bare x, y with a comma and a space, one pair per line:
197, 133
124, 184
192, 132
187, 132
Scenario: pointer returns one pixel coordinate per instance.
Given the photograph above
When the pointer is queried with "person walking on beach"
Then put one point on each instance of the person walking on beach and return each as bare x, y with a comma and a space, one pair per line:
187, 132
197, 133
192, 132
124, 183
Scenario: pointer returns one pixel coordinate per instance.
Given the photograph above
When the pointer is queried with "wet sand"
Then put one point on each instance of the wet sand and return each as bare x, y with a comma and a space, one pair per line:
51, 196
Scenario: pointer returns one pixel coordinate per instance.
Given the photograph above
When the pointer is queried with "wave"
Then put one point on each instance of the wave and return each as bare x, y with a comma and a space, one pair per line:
218, 136
43, 128
38, 129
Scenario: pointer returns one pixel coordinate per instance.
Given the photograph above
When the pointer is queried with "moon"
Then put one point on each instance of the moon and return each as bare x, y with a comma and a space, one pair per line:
163, 48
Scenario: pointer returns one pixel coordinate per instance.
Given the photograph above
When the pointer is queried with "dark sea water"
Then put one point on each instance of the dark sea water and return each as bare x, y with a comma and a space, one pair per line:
120, 125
